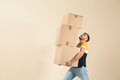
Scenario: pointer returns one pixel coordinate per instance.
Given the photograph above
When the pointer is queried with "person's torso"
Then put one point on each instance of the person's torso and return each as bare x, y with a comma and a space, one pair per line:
82, 60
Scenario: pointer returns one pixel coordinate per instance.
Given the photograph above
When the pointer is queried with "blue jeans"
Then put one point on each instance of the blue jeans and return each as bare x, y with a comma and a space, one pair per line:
73, 72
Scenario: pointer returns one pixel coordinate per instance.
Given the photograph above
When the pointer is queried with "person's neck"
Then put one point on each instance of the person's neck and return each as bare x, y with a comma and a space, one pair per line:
82, 40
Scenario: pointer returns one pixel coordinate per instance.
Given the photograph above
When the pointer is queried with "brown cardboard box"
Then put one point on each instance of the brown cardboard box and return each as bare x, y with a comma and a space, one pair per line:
67, 38
64, 54
72, 20
67, 35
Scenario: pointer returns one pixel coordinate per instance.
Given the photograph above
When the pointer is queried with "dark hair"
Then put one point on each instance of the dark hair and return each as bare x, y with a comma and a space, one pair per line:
87, 36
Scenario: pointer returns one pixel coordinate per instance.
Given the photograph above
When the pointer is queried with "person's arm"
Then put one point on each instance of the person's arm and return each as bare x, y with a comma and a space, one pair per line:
76, 57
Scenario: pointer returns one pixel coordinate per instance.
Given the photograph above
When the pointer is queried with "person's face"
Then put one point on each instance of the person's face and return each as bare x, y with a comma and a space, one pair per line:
83, 37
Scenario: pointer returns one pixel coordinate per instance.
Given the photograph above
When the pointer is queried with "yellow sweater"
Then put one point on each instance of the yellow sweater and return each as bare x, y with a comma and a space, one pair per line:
83, 44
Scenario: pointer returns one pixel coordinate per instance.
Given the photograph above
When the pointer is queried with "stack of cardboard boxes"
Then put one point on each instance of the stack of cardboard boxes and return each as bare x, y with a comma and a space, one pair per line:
67, 39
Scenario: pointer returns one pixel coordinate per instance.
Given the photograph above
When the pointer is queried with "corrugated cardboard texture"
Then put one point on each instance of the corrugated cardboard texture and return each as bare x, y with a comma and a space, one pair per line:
67, 35
72, 20
64, 54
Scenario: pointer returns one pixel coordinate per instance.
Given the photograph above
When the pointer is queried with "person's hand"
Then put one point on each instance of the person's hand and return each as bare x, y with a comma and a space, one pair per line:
69, 63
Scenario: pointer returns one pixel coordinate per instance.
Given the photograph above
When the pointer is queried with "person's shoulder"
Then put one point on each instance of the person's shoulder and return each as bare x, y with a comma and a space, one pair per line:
85, 45
81, 44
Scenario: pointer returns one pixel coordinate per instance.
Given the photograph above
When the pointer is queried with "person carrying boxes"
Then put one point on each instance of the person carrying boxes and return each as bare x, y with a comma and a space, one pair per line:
81, 69
66, 48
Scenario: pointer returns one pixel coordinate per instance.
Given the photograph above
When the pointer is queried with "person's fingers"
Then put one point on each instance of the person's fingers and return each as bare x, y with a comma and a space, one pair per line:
67, 64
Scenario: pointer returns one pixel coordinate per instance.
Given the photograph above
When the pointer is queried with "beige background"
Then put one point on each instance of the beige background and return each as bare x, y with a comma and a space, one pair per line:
28, 30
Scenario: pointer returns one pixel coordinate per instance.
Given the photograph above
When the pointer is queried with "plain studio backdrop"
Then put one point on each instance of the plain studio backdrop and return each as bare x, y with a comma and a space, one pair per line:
28, 30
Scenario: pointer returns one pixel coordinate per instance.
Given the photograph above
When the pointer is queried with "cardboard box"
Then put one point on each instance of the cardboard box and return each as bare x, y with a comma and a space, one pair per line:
67, 35
72, 20
64, 54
